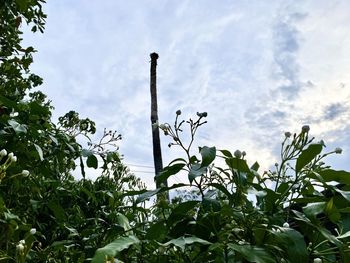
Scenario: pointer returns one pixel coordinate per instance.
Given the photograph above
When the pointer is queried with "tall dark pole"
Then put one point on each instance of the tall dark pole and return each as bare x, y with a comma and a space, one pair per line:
157, 152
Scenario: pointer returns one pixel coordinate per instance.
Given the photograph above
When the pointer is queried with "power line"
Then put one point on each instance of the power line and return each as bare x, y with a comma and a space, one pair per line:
139, 165
147, 172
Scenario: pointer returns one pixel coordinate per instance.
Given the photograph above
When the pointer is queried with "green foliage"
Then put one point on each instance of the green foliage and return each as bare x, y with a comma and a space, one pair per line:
296, 212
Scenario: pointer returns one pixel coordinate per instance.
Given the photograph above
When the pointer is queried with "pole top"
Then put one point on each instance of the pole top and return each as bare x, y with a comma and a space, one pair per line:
154, 56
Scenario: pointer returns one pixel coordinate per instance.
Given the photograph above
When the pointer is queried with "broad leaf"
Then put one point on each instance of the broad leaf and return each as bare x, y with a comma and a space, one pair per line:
293, 243
92, 161
237, 164
18, 128
307, 156
255, 166
313, 209
226, 153
148, 194
196, 171
181, 242
124, 222
208, 155
113, 248
39, 151
169, 171
221, 188
333, 175
253, 253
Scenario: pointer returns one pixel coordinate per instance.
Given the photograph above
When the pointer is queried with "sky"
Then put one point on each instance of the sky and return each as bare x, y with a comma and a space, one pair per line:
259, 68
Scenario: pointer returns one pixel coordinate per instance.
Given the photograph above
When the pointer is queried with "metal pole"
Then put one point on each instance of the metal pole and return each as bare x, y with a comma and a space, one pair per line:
157, 152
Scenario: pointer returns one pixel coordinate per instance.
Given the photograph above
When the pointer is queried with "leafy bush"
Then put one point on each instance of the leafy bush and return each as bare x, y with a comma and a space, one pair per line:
297, 212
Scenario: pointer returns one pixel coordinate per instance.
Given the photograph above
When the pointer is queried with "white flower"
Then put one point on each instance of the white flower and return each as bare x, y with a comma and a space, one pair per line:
3, 152
287, 134
317, 260
20, 247
305, 128
14, 159
10, 155
338, 150
237, 154
13, 114
32, 231
22, 242
25, 173
285, 224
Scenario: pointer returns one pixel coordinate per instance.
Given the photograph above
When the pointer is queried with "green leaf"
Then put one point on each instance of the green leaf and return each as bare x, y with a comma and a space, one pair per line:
221, 188
253, 253
18, 128
39, 151
7, 102
53, 139
181, 242
226, 153
148, 194
255, 166
210, 204
156, 231
23, 4
113, 248
208, 155
238, 164
345, 235
334, 175
86, 153
9, 216
169, 171
313, 209
57, 210
293, 243
345, 194
92, 161
123, 222
184, 207
196, 171
307, 156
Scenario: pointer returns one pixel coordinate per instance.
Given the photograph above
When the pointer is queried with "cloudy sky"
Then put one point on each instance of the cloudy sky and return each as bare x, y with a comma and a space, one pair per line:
259, 68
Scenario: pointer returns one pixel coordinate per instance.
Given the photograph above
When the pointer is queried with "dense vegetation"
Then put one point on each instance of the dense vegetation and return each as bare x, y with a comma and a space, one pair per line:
297, 212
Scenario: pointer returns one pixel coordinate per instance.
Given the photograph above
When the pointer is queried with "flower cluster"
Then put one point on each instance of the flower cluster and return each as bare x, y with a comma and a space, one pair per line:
10, 159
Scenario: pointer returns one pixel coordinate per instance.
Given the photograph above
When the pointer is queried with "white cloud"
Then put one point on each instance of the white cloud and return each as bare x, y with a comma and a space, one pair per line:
231, 59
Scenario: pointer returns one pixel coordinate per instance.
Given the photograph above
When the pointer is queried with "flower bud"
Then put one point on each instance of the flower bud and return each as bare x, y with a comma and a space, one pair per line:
32, 231
287, 134
178, 112
305, 128
338, 150
3, 152
20, 247
237, 154
11, 155
25, 173
202, 114
317, 260
14, 159
285, 224
244, 153
22, 242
